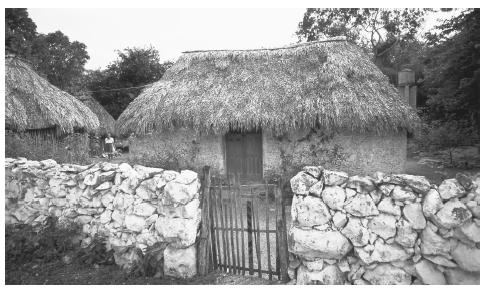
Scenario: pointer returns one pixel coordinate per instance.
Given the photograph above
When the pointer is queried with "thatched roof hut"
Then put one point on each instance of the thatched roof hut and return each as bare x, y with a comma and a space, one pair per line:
107, 122
32, 103
255, 113
330, 84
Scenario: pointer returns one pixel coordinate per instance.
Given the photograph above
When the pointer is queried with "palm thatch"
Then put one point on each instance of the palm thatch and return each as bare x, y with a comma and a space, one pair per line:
107, 122
330, 84
31, 102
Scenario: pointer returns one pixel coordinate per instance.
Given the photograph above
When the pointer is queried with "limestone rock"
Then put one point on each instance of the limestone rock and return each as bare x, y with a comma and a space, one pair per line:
453, 214
386, 189
418, 184
402, 194
464, 180
387, 274
428, 273
433, 244
387, 206
144, 210
134, 223
316, 265
309, 211
180, 262
361, 205
316, 189
314, 171
106, 217
388, 253
334, 197
383, 225
406, 236
440, 260
451, 188
376, 196
363, 185
356, 232
301, 183
146, 172
432, 203
178, 193
460, 277
467, 258
314, 244
188, 211
330, 275
471, 230
107, 199
48, 163
334, 178
413, 213
104, 186
339, 220
182, 232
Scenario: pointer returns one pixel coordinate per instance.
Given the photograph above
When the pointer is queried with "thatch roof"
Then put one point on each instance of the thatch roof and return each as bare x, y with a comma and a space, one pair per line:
31, 102
107, 122
330, 84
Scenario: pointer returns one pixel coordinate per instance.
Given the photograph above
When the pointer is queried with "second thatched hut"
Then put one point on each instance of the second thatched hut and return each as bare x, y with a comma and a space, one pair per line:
259, 113
42, 121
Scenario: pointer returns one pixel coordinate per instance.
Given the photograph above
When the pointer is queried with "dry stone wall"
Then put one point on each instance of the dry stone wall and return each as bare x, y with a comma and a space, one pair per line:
130, 206
384, 229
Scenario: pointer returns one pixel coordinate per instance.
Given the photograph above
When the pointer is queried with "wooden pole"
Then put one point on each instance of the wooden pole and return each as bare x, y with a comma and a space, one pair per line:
282, 235
203, 256
249, 236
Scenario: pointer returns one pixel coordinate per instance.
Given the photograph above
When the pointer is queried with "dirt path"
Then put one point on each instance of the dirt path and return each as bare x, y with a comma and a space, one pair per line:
56, 273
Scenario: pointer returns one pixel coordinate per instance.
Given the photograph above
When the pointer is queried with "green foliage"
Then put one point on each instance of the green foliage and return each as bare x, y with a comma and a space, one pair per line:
134, 67
69, 149
24, 243
388, 34
60, 60
95, 253
164, 151
149, 263
20, 31
52, 55
448, 136
452, 73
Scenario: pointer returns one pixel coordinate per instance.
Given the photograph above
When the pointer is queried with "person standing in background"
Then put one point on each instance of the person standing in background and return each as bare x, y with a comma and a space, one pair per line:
109, 141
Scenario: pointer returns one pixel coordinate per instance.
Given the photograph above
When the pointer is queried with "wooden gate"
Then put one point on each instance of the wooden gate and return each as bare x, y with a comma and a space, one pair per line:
243, 229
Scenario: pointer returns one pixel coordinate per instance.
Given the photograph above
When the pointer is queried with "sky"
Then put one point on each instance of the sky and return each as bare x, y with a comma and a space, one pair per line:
172, 31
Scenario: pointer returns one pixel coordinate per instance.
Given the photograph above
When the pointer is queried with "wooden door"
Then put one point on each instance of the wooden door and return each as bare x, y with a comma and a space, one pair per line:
244, 156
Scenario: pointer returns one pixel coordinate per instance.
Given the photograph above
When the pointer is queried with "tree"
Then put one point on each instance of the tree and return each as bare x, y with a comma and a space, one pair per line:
453, 72
62, 62
20, 31
116, 86
388, 34
52, 55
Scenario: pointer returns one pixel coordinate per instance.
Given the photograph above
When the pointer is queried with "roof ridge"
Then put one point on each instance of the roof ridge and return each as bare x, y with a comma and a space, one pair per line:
311, 43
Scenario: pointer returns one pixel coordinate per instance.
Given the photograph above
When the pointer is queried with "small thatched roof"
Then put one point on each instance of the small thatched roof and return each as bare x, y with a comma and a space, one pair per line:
107, 122
330, 84
31, 102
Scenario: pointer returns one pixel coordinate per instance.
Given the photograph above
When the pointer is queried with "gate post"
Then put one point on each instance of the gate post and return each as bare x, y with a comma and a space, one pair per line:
282, 232
203, 256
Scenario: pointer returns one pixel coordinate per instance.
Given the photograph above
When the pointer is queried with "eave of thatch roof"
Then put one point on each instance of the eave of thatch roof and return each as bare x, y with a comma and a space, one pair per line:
31, 102
107, 122
330, 84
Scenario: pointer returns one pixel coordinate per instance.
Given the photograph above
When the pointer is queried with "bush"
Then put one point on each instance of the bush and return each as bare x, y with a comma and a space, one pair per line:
435, 135
72, 148
48, 242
